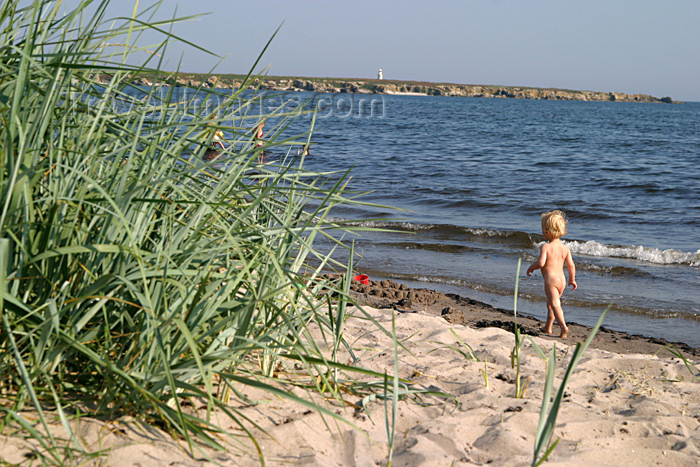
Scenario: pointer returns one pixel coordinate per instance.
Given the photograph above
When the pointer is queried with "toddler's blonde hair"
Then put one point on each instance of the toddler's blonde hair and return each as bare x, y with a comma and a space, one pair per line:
554, 222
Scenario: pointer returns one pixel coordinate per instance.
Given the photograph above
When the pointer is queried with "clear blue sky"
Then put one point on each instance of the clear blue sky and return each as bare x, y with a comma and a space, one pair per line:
634, 46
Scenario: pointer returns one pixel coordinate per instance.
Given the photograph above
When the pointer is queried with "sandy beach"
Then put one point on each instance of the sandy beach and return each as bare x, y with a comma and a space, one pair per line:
629, 402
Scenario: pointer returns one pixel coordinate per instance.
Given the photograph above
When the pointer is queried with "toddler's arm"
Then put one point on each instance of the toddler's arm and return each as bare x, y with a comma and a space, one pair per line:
539, 264
571, 268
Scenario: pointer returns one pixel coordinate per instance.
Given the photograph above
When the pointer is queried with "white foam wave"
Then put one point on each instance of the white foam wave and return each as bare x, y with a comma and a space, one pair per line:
651, 255
379, 224
487, 232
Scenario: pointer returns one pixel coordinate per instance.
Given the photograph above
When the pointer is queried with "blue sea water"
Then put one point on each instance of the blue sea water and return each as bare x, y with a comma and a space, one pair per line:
474, 174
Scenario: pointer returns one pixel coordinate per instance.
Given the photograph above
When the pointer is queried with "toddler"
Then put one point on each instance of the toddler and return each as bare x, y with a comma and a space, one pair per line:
552, 258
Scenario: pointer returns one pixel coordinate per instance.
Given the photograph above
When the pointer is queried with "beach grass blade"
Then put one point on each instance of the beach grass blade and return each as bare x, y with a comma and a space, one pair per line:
676, 352
485, 373
520, 388
548, 416
467, 354
391, 424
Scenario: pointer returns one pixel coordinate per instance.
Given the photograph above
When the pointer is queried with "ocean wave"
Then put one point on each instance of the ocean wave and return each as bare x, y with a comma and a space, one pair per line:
641, 253
523, 240
620, 271
436, 247
475, 233
381, 224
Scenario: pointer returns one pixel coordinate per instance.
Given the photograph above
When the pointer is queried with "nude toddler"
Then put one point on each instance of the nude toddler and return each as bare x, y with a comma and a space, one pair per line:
553, 256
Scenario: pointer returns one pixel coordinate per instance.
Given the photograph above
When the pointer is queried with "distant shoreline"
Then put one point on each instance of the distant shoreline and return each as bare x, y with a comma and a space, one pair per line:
396, 87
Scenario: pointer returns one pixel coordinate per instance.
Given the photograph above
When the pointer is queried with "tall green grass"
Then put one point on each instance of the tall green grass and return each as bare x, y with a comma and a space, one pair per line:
133, 275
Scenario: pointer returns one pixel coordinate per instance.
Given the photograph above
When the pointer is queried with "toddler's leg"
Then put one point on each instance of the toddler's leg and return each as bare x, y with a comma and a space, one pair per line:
550, 319
554, 304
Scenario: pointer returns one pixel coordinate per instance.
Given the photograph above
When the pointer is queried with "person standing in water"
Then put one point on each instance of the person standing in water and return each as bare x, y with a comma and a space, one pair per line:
216, 141
217, 146
553, 255
258, 134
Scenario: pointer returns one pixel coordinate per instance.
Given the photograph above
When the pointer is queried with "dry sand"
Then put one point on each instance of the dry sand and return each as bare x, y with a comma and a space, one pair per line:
624, 409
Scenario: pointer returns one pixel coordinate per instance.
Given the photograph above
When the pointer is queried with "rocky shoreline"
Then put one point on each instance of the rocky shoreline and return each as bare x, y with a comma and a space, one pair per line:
375, 86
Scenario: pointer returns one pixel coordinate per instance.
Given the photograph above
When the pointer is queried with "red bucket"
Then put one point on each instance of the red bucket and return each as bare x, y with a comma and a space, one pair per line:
362, 279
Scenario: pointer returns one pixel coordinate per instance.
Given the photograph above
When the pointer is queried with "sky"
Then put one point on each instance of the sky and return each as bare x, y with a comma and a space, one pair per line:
633, 46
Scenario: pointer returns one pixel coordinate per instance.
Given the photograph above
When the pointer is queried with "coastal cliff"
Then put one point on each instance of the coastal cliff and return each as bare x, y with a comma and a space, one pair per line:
374, 86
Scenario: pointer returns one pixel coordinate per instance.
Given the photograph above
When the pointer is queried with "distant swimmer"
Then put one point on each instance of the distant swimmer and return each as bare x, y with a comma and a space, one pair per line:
303, 151
259, 142
258, 134
216, 141
217, 147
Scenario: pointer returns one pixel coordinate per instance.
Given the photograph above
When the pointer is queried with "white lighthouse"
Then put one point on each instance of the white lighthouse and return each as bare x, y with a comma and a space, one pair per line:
380, 74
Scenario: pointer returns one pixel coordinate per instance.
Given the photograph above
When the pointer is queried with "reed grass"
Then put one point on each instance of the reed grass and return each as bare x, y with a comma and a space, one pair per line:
468, 354
520, 387
390, 422
548, 415
690, 366
134, 276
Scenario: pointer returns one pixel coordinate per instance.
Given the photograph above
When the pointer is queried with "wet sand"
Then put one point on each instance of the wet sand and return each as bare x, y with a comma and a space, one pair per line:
388, 294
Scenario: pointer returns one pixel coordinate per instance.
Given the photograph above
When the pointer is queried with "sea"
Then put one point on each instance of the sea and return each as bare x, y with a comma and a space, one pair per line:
471, 177
457, 186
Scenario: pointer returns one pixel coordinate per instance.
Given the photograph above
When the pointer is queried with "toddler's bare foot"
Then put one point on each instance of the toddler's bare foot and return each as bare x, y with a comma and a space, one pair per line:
544, 330
564, 333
